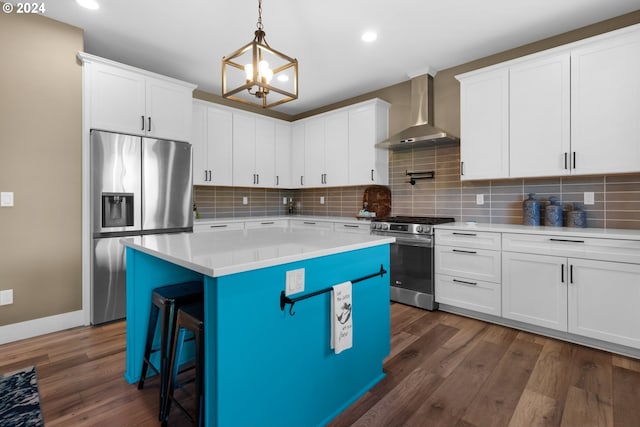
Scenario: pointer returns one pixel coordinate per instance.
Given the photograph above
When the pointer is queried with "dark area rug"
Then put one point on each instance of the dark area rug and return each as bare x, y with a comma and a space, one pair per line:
20, 399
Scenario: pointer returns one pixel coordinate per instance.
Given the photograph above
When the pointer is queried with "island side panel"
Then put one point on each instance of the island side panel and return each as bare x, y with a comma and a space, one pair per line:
145, 273
274, 369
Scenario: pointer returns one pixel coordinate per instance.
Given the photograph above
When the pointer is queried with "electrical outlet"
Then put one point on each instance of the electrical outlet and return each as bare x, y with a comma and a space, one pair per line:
479, 199
6, 297
294, 281
284, 200
322, 200
245, 200
589, 198
6, 199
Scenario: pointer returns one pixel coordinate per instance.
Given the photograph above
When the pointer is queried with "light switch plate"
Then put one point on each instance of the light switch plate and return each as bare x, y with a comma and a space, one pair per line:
245, 200
294, 281
6, 199
479, 199
284, 200
322, 200
589, 198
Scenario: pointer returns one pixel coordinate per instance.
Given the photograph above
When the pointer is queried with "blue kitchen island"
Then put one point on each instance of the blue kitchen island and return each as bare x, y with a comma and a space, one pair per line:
268, 363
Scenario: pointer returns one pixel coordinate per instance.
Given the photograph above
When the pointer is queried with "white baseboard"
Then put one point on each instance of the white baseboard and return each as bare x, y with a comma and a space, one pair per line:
45, 325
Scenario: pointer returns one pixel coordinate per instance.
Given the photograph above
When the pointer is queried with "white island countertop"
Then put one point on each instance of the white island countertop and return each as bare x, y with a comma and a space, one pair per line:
235, 251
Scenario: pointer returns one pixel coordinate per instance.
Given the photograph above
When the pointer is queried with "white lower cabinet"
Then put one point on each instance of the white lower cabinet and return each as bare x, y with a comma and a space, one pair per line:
282, 223
306, 223
348, 227
468, 273
589, 296
476, 295
604, 301
534, 289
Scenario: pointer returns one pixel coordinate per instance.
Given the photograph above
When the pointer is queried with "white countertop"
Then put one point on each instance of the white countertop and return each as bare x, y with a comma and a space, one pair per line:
605, 233
234, 251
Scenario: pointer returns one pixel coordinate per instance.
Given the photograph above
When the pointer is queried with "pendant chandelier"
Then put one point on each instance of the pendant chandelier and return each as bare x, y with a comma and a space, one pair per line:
256, 72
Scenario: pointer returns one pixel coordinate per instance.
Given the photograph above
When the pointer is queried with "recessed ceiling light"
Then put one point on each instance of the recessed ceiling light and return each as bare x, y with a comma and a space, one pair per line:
369, 36
89, 4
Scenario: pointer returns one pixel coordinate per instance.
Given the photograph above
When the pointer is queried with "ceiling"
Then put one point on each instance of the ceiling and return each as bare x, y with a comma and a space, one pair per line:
187, 39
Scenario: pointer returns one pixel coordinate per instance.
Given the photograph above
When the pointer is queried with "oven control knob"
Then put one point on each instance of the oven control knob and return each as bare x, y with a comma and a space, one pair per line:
419, 229
385, 226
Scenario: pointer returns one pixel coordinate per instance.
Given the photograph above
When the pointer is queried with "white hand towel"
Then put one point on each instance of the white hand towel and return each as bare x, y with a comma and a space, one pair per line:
341, 319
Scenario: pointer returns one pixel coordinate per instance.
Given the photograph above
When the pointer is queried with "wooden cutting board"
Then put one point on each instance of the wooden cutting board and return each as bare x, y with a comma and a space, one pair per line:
378, 199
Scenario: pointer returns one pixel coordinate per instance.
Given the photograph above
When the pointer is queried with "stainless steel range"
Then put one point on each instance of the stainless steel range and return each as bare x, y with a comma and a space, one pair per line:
412, 274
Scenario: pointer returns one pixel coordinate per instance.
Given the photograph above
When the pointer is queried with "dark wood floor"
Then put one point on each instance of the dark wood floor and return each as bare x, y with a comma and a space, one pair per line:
443, 370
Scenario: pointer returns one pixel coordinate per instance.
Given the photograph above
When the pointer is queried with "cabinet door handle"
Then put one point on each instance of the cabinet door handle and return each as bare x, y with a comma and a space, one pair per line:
149, 124
464, 252
218, 226
562, 273
574, 159
464, 234
210, 176
309, 223
461, 168
301, 183
372, 175
267, 223
277, 179
464, 282
567, 240
142, 117
349, 226
565, 159
257, 178
571, 274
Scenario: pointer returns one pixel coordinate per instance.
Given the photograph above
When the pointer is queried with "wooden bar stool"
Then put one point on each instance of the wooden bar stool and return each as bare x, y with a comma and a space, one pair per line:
190, 318
166, 301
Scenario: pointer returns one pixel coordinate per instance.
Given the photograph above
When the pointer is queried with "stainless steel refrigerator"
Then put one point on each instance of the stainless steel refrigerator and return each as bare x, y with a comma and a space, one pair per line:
138, 186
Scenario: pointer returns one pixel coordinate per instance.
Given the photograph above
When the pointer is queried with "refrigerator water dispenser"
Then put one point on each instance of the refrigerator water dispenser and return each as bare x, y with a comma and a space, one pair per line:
117, 209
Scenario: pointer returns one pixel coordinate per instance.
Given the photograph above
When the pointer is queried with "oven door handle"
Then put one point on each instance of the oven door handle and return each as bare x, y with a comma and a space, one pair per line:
422, 243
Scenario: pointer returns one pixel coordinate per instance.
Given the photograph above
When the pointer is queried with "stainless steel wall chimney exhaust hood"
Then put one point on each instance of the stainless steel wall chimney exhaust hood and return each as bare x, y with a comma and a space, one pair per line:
422, 132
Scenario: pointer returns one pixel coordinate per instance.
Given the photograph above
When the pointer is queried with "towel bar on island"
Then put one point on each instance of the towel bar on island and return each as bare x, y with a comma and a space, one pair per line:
284, 300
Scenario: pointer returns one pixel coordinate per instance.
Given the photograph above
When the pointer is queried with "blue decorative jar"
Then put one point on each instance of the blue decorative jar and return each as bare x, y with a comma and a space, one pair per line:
553, 213
576, 217
531, 211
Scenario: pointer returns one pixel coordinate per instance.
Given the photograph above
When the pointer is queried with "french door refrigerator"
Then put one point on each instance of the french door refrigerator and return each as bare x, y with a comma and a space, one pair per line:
138, 186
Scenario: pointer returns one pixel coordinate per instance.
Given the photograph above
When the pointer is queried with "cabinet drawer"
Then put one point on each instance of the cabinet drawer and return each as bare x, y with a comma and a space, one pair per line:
469, 239
267, 224
473, 295
303, 223
218, 226
349, 227
570, 246
475, 264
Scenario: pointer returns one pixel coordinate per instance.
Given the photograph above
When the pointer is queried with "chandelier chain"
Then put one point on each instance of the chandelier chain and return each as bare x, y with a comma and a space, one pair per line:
259, 24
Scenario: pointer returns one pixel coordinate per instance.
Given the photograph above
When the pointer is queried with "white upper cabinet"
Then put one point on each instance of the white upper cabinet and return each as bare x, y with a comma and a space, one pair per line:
283, 155
212, 144
326, 147
336, 149
297, 155
484, 125
253, 151
539, 117
125, 99
605, 109
368, 125
265, 152
570, 110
